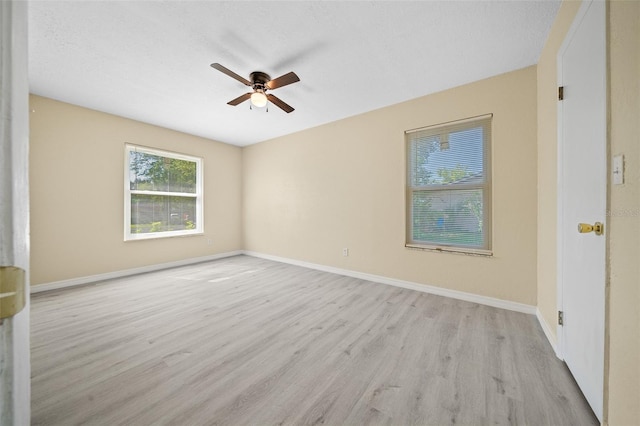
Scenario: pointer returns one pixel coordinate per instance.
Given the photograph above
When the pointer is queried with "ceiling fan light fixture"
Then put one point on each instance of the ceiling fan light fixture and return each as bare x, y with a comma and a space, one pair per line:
258, 99
260, 82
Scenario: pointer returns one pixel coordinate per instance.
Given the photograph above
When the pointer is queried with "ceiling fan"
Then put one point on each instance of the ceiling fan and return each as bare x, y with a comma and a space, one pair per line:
260, 82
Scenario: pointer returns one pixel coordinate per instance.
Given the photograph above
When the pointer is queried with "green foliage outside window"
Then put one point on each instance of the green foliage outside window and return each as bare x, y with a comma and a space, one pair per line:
163, 193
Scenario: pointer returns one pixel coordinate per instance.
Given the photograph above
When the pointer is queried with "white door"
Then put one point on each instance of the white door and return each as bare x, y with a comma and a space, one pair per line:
14, 215
582, 199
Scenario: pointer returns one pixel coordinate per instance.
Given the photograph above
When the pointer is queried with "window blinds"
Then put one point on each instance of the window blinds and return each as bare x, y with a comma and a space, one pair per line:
449, 184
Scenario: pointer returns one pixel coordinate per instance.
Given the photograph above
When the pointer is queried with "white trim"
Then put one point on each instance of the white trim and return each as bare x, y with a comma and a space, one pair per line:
451, 249
454, 294
560, 201
127, 272
547, 332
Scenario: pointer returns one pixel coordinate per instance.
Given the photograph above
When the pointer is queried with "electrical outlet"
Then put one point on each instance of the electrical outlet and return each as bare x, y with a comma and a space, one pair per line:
345, 251
209, 241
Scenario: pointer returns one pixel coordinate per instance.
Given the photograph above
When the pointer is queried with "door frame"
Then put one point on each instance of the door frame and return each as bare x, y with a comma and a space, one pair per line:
560, 348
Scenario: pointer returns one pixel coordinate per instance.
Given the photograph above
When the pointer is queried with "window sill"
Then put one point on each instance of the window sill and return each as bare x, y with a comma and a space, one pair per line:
145, 237
453, 250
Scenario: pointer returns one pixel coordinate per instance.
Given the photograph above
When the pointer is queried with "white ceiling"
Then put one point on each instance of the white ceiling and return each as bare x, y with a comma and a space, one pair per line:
149, 60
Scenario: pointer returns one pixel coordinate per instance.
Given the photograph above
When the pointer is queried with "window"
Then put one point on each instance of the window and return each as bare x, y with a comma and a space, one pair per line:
162, 194
449, 186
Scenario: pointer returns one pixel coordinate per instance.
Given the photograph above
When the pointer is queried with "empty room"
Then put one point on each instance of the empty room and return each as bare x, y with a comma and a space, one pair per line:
320, 212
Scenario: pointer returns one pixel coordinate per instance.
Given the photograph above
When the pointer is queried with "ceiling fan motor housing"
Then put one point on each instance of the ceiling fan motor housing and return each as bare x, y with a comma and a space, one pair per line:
259, 80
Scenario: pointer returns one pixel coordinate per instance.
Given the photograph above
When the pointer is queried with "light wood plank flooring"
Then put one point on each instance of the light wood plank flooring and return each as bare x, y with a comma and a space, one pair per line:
243, 341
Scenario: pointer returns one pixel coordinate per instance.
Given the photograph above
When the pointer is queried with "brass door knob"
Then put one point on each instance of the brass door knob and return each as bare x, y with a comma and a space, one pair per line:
585, 228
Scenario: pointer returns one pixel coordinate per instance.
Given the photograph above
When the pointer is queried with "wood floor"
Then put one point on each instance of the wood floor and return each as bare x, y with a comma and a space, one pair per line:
243, 341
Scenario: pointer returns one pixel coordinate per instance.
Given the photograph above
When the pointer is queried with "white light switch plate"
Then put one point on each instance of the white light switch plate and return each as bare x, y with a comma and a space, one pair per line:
618, 169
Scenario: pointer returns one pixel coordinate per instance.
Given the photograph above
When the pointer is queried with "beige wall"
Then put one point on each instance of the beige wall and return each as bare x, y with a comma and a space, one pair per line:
624, 221
77, 169
547, 72
622, 394
309, 194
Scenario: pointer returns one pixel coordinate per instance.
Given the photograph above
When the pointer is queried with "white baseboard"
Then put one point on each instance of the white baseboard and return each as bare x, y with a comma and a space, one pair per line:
547, 332
454, 294
127, 272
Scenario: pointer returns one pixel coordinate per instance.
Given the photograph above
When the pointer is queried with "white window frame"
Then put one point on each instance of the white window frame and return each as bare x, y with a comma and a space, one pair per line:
486, 186
128, 192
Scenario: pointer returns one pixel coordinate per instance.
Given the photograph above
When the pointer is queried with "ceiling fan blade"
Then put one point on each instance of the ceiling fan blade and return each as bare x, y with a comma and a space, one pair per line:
231, 74
280, 104
239, 99
283, 80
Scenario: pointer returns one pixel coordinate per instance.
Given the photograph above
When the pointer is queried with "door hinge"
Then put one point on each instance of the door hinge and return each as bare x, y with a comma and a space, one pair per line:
561, 93
560, 318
